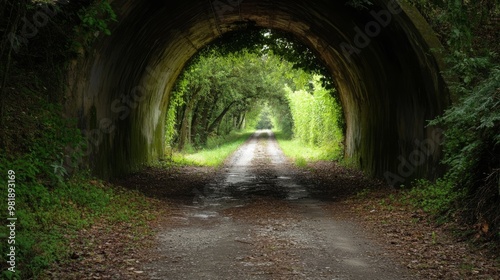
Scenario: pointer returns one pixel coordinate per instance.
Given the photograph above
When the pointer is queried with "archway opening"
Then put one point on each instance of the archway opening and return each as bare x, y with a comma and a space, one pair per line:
255, 79
379, 55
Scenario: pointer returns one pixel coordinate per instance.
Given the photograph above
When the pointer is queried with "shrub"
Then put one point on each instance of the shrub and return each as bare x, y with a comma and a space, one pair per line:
472, 148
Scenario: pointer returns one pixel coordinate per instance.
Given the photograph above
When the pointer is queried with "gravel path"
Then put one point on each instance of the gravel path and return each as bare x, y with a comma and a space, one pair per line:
255, 221
260, 217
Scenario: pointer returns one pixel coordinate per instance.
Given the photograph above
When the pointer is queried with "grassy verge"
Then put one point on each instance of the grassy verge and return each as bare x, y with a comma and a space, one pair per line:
301, 154
51, 206
48, 220
217, 150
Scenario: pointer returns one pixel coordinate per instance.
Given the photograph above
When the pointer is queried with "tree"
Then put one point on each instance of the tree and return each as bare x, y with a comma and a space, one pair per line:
217, 87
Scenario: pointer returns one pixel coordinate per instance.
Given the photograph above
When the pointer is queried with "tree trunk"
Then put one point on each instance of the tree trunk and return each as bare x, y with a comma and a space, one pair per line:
184, 129
204, 122
195, 121
242, 120
206, 114
219, 118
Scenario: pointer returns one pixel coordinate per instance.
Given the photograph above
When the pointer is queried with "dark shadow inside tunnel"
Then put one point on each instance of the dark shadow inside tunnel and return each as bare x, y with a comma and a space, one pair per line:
257, 171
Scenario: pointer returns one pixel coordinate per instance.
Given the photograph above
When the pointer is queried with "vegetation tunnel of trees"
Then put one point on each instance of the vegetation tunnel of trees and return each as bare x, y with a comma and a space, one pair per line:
257, 84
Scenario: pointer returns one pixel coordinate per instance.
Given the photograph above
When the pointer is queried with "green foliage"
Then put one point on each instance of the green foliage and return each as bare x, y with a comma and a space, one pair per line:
472, 127
436, 198
45, 150
273, 42
458, 22
472, 148
282, 118
253, 116
95, 19
218, 94
52, 203
48, 218
251, 87
97, 16
302, 154
53, 199
316, 117
300, 161
216, 152
265, 121
228, 85
40, 176
176, 100
467, 71
292, 50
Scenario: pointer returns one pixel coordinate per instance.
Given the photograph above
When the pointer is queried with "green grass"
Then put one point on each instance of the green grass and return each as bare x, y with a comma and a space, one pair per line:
436, 198
217, 150
49, 218
301, 153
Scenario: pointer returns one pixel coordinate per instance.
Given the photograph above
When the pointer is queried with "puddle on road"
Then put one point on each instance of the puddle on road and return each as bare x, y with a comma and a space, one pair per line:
205, 215
209, 238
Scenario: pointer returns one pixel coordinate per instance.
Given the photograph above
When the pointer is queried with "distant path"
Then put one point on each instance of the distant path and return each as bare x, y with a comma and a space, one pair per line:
256, 222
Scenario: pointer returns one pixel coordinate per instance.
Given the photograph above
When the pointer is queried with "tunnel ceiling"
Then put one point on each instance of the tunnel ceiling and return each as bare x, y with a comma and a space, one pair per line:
380, 59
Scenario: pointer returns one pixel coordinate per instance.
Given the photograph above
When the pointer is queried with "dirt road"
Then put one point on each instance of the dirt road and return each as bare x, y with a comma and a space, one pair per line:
255, 221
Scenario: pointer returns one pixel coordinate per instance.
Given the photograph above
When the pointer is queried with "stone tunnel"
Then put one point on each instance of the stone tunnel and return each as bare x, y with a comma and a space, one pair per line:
382, 59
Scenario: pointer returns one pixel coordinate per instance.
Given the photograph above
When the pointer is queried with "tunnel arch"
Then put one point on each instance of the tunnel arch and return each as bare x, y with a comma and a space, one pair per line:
389, 84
